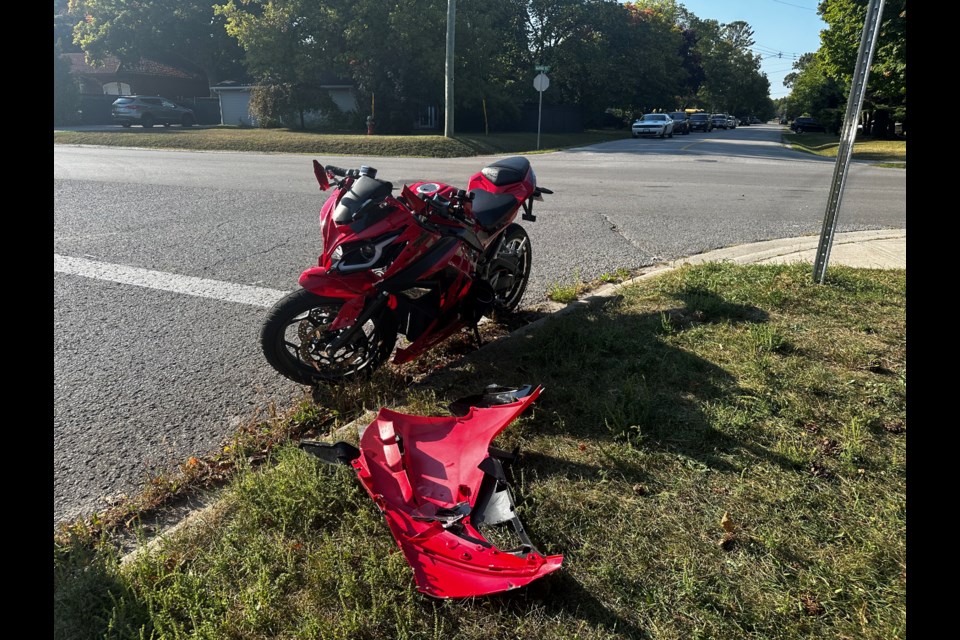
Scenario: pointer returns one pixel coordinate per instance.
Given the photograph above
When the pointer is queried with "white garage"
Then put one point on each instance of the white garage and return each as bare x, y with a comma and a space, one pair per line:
235, 103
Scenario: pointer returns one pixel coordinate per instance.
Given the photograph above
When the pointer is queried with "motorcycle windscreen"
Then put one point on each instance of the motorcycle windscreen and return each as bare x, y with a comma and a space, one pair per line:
360, 206
438, 488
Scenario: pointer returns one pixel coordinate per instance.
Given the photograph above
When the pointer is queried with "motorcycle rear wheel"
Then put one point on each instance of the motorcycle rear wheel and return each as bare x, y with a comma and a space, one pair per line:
294, 337
509, 285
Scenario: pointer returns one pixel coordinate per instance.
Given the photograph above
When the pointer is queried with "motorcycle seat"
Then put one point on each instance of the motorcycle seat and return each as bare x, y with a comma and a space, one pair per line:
492, 210
507, 171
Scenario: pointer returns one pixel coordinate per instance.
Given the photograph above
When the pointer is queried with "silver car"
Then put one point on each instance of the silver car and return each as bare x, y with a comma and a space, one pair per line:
150, 110
653, 124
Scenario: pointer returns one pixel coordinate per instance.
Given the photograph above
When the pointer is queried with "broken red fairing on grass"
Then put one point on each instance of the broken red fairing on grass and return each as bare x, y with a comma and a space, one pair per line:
439, 484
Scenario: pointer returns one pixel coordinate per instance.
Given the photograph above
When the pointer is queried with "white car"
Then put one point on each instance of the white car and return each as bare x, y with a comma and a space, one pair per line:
653, 124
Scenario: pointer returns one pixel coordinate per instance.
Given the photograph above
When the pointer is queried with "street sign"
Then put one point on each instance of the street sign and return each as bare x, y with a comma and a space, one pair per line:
542, 67
541, 82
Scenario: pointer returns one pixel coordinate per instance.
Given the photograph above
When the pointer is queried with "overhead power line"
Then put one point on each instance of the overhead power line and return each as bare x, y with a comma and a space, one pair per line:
790, 4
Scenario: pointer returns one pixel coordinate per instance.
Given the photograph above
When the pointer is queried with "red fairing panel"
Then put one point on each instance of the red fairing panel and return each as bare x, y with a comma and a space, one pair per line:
422, 470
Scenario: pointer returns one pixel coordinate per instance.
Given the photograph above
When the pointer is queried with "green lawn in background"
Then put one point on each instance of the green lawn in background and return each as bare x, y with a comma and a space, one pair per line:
892, 152
290, 141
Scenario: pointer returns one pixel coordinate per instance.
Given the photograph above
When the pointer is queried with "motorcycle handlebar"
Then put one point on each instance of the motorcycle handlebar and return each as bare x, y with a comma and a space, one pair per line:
337, 171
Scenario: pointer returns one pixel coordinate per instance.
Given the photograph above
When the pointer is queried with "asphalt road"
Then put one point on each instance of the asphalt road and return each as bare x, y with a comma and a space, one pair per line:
146, 375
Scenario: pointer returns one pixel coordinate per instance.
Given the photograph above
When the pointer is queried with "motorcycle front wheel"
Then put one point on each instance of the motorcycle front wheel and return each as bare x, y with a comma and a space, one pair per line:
510, 270
295, 337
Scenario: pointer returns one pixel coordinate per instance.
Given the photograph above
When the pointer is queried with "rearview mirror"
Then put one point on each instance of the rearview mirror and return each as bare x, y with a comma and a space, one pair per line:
321, 175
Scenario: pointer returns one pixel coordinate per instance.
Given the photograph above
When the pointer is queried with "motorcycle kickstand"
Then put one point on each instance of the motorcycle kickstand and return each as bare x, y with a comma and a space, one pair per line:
476, 335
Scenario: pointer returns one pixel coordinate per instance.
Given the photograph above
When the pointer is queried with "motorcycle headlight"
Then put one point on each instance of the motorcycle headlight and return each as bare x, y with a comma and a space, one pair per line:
354, 256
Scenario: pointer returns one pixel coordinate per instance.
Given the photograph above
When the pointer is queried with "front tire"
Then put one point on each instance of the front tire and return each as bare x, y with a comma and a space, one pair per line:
294, 337
509, 270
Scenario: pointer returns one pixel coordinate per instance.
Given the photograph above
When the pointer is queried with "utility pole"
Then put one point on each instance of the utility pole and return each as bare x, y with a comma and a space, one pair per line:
858, 88
448, 69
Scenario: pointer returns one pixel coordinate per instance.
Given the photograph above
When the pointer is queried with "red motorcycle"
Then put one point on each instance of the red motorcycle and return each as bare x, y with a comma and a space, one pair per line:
424, 264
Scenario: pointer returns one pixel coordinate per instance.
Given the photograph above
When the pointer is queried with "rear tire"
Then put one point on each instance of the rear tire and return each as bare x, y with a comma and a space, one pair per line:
293, 338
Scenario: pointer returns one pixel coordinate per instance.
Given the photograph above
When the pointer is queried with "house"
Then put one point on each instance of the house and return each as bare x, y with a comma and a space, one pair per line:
235, 101
99, 86
145, 77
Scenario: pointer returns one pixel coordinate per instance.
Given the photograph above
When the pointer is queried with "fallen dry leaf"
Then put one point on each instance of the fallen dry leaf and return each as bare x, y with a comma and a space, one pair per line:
727, 523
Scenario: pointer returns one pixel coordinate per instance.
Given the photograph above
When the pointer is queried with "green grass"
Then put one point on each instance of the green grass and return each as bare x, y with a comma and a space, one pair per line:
710, 390
887, 153
290, 141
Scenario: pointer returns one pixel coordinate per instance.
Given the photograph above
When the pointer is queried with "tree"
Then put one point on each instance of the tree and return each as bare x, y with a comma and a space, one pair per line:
815, 92
886, 87
732, 80
66, 93
185, 32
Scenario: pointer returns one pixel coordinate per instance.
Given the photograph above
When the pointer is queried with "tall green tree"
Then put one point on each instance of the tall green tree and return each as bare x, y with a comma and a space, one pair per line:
886, 88
179, 31
814, 92
732, 81
66, 92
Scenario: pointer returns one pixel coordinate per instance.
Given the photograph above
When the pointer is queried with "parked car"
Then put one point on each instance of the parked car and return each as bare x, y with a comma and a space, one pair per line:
719, 121
804, 125
681, 123
700, 122
150, 110
653, 124
755, 120
744, 121
732, 122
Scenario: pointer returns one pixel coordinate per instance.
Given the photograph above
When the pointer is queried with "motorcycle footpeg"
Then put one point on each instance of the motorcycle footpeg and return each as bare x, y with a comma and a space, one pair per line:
336, 453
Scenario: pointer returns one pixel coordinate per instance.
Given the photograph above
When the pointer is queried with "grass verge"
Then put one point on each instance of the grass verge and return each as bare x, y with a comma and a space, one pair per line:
720, 452
290, 141
887, 153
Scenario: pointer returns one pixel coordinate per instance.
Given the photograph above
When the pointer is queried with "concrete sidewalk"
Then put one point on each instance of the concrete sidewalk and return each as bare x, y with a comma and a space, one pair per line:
883, 249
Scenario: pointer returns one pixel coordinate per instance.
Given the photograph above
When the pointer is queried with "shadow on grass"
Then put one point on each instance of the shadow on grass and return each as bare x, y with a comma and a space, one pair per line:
561, 595
89, 598
612, 378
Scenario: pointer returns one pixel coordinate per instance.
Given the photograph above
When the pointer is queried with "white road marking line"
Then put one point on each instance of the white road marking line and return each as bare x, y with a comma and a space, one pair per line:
189, 285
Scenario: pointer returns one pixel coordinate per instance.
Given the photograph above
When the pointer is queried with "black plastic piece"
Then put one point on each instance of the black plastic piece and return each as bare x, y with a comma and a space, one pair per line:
337, 453
492, 395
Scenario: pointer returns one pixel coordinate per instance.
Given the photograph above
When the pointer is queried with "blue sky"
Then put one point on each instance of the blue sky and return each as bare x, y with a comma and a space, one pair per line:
787, 27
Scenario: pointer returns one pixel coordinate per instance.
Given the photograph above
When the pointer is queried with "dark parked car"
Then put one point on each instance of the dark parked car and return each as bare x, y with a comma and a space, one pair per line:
720, 121
804, 125
681, 124
700, 122
150, 110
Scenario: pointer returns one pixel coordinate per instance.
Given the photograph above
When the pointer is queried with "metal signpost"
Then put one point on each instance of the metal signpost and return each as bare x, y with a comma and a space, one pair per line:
448, 69
868, 44
540, 83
